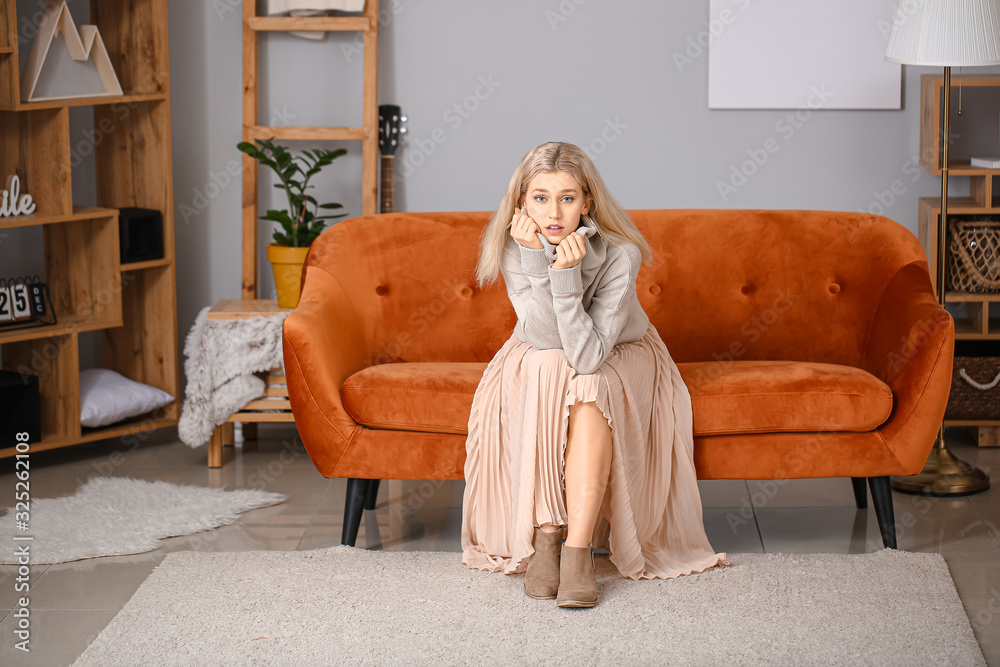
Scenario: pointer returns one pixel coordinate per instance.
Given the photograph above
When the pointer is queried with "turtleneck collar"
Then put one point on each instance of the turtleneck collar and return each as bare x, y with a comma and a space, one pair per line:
596, 247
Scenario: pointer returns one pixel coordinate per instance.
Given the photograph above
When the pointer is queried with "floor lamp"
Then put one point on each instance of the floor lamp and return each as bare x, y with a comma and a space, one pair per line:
945, 33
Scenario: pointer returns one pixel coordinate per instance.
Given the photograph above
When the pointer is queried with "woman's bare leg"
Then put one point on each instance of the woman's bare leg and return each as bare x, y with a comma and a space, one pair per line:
588, 465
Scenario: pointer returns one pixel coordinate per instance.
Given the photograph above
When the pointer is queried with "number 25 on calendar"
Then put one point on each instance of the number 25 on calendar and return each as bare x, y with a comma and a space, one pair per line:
20, 300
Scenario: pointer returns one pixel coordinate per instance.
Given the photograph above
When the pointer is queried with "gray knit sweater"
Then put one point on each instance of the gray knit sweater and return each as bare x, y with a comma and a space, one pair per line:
586, 310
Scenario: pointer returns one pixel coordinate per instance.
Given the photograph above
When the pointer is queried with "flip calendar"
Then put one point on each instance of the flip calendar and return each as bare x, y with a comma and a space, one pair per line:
25, 302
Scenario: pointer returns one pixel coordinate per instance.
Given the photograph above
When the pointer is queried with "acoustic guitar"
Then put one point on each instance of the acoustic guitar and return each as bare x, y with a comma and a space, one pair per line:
390, 131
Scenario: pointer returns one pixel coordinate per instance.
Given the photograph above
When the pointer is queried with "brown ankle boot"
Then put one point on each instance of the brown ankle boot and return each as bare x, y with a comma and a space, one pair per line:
577, 578
541, 579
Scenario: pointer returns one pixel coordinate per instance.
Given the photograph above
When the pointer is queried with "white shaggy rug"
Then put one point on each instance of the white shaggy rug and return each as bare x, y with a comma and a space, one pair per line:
344, 605
114, 516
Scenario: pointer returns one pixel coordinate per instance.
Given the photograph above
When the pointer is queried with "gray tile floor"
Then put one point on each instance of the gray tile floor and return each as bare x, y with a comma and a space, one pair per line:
72, 602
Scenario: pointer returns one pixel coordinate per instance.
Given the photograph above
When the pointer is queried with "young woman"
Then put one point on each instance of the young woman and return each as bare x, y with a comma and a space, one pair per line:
581, 425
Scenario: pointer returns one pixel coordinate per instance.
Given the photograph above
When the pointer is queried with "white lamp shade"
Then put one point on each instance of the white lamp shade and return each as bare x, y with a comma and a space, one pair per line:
946, 33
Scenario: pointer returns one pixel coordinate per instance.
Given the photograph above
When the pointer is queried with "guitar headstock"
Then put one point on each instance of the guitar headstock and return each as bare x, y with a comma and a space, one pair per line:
390, 128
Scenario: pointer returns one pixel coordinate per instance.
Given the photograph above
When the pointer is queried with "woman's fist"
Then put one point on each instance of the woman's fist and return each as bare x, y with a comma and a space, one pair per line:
523, 230
570, 251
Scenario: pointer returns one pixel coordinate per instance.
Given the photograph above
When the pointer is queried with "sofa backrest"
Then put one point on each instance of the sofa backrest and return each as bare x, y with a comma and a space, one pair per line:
725, 284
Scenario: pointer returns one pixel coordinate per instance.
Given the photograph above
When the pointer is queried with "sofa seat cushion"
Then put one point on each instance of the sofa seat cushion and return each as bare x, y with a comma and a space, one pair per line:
727, 397
433, 397
750, 396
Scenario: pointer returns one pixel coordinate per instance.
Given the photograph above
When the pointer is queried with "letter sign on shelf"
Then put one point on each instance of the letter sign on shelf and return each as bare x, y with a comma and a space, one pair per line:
13, 202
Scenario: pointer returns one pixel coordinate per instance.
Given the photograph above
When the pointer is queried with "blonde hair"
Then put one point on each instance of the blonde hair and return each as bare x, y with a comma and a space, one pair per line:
608, 215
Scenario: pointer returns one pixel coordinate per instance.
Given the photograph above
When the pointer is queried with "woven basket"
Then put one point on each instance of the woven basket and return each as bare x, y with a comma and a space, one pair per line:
975, 389
974, 257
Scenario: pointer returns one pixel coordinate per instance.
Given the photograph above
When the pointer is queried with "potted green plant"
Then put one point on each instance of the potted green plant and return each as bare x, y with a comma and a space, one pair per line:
301, 223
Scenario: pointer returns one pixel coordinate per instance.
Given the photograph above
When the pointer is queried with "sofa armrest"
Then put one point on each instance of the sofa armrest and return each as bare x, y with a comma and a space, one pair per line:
323, 346
910, 347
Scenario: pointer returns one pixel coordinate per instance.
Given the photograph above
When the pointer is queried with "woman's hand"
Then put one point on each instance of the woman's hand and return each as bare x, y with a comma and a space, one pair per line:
570, 251
523, 230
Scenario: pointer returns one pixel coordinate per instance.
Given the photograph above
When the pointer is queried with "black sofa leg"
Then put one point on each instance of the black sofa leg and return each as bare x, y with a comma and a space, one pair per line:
357, 491
882, 500
860, 492
372, 494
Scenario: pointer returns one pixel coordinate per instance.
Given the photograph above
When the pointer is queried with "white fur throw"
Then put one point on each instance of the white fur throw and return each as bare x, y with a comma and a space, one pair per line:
221, 357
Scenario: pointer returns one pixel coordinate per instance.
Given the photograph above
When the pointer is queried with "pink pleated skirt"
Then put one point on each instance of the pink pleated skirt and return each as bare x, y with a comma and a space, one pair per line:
651, 515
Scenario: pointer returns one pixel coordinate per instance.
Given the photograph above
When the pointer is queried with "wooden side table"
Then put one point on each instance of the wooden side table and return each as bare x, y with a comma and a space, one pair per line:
263, 408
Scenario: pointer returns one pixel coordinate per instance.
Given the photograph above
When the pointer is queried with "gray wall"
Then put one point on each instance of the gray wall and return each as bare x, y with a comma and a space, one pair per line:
590, 72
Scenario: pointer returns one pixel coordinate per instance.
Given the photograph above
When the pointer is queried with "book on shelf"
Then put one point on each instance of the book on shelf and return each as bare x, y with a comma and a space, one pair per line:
986, 162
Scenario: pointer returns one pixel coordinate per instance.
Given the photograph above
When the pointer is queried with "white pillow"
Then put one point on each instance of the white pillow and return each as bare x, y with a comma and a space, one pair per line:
107, 397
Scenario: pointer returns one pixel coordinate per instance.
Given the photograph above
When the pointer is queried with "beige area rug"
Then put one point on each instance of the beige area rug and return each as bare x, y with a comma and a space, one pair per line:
344, 605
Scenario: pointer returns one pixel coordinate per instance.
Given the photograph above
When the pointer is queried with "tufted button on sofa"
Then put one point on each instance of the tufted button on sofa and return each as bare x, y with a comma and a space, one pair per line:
811, 343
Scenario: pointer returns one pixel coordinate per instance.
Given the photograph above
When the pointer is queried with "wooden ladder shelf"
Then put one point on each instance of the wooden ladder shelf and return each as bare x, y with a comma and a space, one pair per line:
273, 406
367, 134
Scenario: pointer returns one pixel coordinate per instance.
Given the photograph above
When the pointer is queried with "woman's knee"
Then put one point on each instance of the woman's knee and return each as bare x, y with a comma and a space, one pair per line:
580, 406
592, 415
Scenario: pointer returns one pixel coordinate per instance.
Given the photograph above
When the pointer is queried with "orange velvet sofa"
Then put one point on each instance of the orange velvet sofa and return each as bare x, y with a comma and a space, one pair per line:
811, 342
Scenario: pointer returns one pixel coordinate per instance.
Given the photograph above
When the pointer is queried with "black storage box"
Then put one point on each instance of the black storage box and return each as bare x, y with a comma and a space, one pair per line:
20, 408
140, 234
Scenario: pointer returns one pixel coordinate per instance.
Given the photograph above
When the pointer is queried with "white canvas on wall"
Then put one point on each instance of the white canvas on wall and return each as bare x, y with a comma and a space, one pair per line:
793, 54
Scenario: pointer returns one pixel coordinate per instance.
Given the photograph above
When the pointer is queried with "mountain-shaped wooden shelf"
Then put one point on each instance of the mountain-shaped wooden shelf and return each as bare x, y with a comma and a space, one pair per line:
84, 44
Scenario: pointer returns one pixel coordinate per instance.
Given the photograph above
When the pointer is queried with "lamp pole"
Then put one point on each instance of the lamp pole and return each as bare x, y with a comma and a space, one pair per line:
944, 474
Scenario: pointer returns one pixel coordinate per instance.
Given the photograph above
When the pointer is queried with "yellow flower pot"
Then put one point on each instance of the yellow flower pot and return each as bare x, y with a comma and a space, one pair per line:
286, 262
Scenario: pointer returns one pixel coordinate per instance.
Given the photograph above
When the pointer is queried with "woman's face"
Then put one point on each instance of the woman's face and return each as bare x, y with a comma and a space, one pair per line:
555, 201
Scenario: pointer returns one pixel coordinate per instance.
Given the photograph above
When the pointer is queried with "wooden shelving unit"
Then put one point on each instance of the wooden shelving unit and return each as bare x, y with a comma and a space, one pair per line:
80, 102
982, 311
982, 318
367, 134
133, 305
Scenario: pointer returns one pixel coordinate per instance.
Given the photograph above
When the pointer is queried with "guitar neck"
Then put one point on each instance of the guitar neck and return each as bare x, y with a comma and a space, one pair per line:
388, 187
